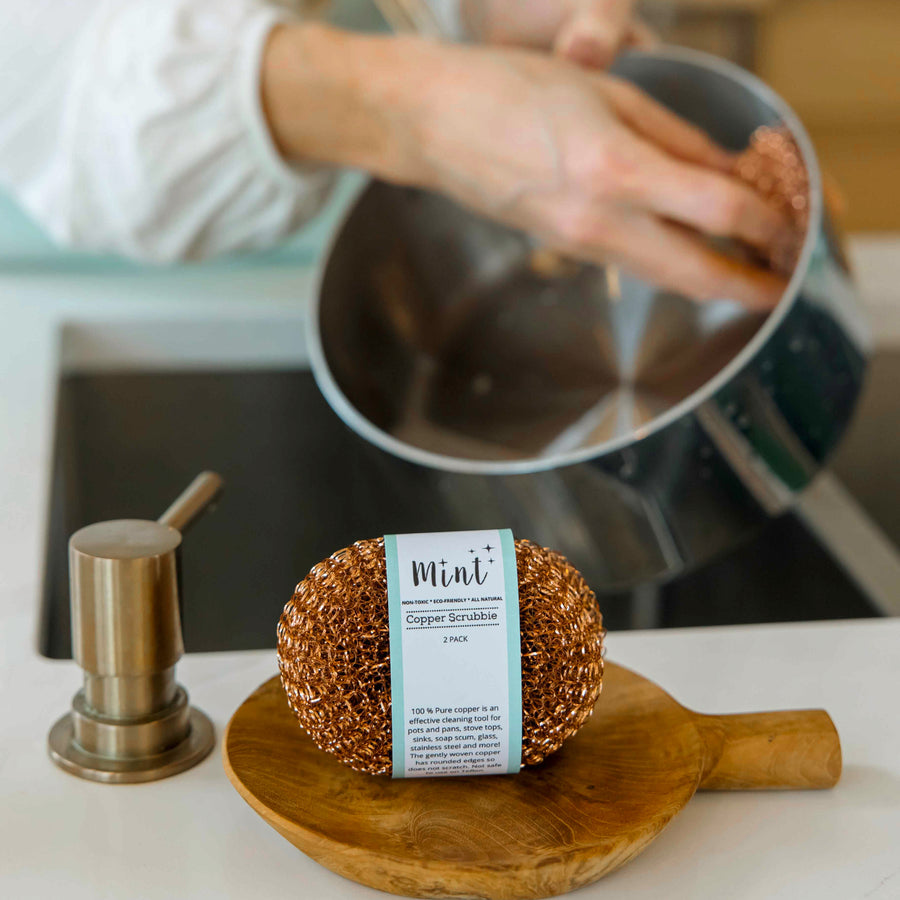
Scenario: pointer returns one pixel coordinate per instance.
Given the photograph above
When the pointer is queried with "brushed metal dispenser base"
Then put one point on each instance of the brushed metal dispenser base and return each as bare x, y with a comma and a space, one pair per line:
70, 755
131, 721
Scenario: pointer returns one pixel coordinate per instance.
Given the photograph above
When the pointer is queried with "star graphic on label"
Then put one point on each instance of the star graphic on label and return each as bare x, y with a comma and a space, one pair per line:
488, 547
490, 560
471, 551
443, 562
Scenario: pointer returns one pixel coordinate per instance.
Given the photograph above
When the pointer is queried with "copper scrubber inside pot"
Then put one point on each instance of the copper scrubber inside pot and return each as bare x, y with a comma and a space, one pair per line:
773, 165
334, 654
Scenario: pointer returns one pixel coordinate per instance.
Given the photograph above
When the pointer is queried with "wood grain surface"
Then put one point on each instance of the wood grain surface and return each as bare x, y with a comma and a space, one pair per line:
552, 828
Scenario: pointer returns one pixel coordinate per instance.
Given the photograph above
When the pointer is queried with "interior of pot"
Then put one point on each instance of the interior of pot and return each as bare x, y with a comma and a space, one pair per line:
449, 338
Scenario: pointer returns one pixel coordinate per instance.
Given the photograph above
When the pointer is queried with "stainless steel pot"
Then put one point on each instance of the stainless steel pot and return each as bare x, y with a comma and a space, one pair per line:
637, 432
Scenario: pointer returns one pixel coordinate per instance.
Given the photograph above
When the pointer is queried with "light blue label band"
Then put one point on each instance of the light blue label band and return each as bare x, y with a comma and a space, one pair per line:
513, 648
398, 712
453, 605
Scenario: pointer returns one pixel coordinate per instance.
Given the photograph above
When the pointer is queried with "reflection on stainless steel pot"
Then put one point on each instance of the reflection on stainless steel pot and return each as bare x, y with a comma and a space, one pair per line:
627, 426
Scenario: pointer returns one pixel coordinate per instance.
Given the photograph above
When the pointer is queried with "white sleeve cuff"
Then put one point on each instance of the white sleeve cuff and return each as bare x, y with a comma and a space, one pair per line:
248, 69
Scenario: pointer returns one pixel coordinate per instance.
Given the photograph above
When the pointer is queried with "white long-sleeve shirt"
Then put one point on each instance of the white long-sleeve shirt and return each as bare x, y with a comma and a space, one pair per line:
136, 127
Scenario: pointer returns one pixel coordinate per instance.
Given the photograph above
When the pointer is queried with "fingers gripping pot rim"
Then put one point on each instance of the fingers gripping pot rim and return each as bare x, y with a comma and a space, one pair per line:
334, 654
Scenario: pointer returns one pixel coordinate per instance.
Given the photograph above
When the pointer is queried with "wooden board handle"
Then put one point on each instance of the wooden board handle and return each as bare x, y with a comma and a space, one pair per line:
770, 750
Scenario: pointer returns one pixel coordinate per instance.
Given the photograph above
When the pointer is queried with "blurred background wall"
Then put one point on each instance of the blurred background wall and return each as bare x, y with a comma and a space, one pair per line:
837, 62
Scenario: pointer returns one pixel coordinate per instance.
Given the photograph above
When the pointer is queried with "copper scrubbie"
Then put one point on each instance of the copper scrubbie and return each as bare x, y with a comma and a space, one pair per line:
773, 165
334, 654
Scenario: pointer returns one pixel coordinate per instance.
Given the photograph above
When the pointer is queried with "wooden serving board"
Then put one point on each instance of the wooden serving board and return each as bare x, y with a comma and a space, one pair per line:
588, 809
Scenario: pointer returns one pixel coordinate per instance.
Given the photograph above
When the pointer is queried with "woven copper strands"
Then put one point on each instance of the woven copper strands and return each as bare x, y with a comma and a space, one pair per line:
774, 166
334, 654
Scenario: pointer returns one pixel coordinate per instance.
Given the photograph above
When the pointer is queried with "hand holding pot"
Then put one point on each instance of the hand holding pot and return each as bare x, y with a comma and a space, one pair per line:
588, 32
589, 164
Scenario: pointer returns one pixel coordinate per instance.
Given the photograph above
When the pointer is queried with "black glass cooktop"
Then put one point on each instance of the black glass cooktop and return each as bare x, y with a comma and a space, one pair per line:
300, 485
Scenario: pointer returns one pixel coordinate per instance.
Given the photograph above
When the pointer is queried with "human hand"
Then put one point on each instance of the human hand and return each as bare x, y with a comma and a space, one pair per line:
589, 164
588, 32
593, 167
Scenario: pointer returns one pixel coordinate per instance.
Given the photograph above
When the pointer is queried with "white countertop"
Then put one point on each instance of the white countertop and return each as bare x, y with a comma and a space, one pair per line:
192, 836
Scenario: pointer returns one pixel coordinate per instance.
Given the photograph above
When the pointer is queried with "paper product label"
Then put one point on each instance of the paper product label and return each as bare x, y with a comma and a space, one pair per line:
456, 669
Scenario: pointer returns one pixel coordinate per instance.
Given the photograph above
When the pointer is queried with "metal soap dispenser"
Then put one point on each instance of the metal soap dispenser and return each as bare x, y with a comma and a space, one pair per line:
131, 722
